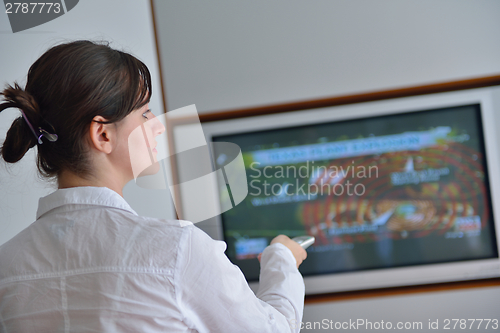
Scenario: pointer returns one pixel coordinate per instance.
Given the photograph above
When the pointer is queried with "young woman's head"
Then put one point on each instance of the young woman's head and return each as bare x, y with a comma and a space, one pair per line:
72, 90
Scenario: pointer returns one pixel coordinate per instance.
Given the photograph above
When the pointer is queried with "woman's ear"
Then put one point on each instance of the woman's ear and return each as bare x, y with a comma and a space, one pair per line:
102, 136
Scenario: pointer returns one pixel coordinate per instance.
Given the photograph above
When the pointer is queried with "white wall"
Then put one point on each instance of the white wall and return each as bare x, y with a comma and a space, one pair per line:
127, 24
224, 54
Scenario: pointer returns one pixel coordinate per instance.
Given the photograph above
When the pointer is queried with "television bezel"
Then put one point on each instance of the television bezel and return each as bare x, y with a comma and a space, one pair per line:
287, 116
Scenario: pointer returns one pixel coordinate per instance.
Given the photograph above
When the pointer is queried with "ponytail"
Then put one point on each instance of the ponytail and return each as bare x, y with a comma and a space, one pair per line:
19, 137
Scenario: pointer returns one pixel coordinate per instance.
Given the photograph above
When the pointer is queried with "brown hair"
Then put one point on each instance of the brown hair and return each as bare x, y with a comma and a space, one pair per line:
66, 88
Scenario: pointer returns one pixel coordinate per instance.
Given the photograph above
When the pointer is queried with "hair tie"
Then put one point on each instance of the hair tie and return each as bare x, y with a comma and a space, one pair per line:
43, 133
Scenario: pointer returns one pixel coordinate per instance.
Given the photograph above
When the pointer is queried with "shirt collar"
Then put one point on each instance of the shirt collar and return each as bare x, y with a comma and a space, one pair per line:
97, 196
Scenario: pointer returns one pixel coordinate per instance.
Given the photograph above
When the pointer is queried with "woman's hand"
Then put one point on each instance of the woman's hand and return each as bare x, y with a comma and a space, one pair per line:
298, 252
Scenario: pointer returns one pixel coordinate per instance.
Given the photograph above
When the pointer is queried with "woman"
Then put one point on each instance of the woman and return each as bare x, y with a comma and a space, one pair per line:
89, 263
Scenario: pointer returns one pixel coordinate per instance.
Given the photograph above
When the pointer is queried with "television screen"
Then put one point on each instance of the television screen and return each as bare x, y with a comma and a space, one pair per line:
377, 192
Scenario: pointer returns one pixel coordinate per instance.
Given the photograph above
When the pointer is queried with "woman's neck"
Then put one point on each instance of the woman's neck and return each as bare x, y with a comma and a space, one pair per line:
68, 179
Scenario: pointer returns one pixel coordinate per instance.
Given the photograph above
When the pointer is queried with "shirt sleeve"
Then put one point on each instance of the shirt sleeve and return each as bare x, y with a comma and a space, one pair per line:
213, 295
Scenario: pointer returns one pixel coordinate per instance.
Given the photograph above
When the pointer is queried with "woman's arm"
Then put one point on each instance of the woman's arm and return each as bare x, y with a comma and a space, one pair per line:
214, 296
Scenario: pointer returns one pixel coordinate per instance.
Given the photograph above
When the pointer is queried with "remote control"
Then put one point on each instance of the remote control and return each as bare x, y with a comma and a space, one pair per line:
304, 241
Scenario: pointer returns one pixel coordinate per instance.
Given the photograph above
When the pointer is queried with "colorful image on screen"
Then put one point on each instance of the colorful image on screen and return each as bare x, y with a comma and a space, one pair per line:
387, 191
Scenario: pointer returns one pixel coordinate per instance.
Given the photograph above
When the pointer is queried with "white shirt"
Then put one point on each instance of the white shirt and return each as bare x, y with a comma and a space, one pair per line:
89, 263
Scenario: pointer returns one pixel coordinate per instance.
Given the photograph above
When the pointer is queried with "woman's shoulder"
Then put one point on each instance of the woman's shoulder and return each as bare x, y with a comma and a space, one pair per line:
158, 228
149, 229
180, 232
172, 243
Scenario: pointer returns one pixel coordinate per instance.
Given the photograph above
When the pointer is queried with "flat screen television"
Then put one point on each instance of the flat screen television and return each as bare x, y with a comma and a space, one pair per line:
397, 192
